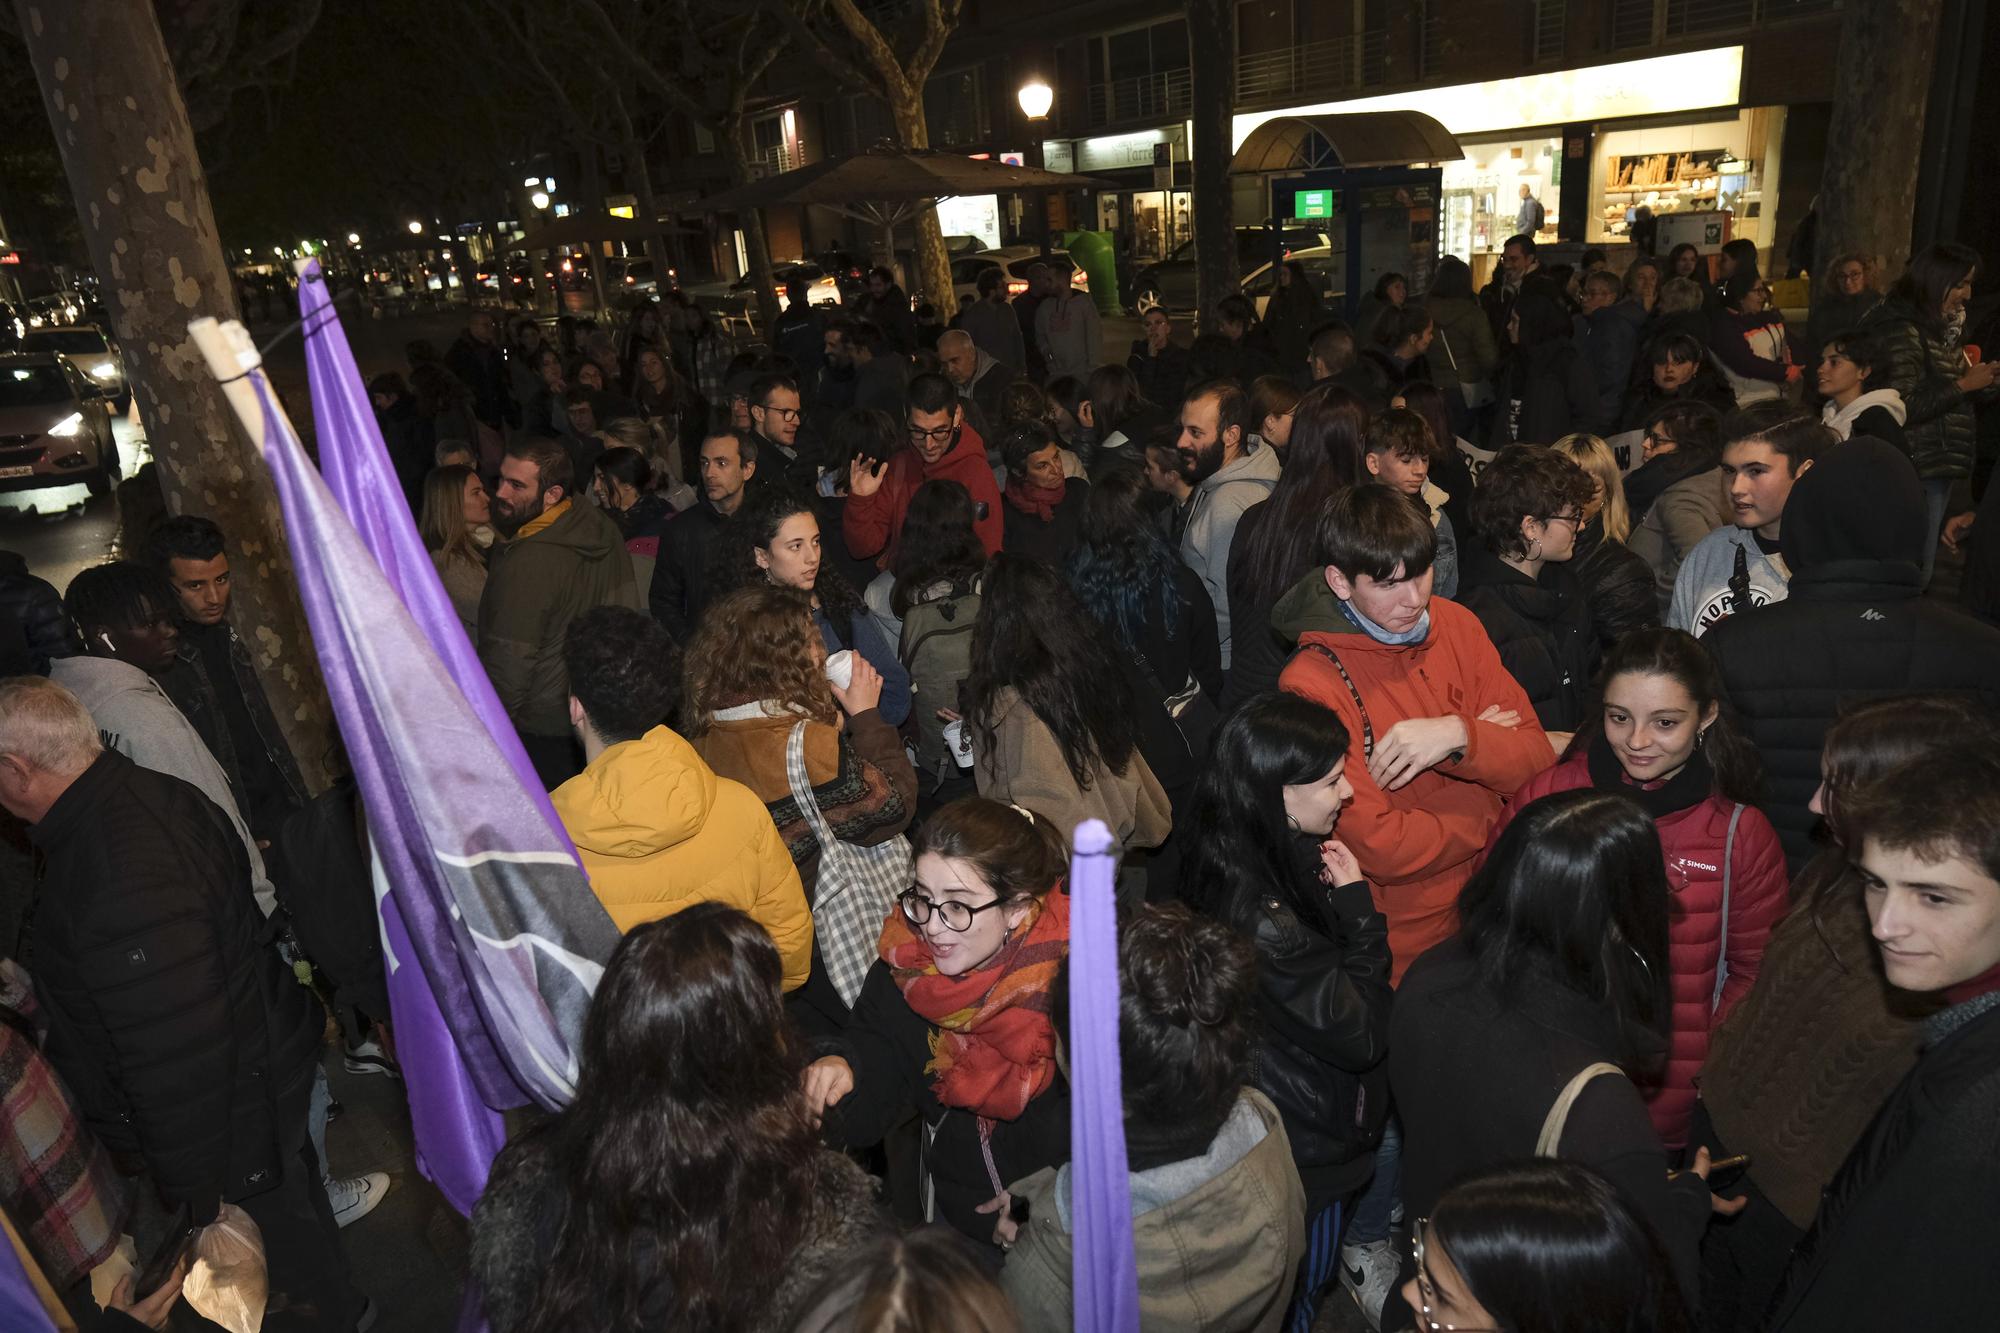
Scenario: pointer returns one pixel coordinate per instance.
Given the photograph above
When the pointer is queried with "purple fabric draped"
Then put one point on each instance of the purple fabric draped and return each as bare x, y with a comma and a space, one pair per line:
1104, 1270
20, 1308
494, 941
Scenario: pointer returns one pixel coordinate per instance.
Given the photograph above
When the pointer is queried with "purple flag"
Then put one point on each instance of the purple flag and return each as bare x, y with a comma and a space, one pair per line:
493, 939
1104, 1271
21, 1310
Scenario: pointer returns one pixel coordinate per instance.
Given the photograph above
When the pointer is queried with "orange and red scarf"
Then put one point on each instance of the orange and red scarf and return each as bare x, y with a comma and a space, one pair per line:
994, 1050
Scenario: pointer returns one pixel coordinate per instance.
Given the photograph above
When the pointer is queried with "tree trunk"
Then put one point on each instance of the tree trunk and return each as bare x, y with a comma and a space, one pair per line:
130, 155
752, 220
1212, 48
1882, 82
641, 177
933, 275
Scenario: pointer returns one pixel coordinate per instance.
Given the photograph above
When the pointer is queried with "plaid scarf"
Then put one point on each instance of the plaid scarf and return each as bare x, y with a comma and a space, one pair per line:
994, 1050
56, 1181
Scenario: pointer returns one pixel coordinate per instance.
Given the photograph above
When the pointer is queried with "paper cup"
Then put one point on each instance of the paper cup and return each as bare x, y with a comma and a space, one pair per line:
840, 668
959, 741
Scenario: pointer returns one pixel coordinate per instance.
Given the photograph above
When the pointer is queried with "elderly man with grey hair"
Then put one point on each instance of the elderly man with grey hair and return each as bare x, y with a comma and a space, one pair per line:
189, 1046
980, 380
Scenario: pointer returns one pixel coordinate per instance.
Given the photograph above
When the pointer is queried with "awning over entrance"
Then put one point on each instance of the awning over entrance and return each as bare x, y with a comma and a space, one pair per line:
1351, 139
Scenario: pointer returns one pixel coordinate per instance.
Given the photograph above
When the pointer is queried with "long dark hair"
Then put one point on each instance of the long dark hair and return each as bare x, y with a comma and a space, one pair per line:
1743, 253
939, 543
1240, 846
756, 526
1929, 277
1428, 401
1329, 440
1115, 398
1123, 570
689, 1164
1552, 1246
1679, 656
1575, 890
1035, 636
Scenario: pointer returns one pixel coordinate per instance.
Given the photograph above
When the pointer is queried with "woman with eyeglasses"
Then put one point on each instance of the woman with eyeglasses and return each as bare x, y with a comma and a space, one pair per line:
1515, 577
1844, 299
1544, 1246
1528, 1031
1264, 859
953, 1021
1665, 741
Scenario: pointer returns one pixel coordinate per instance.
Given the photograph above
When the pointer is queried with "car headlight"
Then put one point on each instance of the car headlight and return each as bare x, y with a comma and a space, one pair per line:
104, 370
68, 426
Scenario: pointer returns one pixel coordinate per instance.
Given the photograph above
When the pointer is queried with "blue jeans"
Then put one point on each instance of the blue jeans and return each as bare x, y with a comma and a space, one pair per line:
322, 1098
1377, 1203
1937, 490
1317, 1270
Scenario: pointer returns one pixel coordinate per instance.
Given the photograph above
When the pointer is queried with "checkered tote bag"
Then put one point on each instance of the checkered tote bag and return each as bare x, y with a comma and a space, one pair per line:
857, 888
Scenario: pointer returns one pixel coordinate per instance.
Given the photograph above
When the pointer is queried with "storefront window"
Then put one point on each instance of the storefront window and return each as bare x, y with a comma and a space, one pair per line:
1711, 166
1482, 193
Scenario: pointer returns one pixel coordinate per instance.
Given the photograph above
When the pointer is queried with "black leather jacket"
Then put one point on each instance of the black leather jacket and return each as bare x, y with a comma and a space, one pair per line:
1323, 1014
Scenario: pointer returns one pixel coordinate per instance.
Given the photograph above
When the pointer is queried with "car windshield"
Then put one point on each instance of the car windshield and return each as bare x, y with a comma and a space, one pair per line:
33, 386
76, 342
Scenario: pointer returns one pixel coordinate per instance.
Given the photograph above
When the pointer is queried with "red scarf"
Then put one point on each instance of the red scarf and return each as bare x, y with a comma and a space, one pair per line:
1973, 987
1041, 501
994, 1050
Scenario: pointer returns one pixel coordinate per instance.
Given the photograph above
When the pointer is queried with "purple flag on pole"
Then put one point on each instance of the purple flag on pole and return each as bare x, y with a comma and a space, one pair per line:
1104, 1271
21, 1310
493, 938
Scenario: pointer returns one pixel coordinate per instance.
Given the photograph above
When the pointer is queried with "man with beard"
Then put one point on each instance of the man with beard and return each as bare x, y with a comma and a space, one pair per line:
1230, 471
564, 558
942, 447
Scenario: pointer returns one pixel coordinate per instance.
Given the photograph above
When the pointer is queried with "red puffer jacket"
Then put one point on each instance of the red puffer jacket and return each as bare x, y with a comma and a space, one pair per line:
1693, 840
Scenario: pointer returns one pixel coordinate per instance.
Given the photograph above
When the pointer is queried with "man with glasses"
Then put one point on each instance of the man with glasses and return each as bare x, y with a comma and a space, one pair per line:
775, 413
941, 448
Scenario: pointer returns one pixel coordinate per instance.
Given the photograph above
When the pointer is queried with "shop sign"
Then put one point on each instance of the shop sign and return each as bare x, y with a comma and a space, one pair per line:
1118, 152
1657, 85
1312, 204
1059, 154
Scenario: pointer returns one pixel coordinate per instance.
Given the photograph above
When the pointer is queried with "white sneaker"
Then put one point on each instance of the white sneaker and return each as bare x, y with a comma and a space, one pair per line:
354, 1197
1368, 1271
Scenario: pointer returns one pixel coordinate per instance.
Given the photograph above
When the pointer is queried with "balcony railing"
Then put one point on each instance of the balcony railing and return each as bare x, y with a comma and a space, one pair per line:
1406, 52
1636, 23
1163, 93
777, 158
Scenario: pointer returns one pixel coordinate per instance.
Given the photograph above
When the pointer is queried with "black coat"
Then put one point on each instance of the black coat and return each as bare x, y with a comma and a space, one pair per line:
1474, 1075
1163, 379
1556, 393
1919, 1196
173, 1021
1541, 628
1323, 1029
685, 574
1049, 542
37, 608
482, 368
887, 1044
1853, 626
1617, 584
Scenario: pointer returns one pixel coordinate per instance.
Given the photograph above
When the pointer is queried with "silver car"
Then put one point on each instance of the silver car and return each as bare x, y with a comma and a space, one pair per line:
55, 426
94, 352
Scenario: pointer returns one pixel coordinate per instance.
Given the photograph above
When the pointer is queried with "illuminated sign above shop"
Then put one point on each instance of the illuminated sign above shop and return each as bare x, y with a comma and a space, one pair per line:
1659, 85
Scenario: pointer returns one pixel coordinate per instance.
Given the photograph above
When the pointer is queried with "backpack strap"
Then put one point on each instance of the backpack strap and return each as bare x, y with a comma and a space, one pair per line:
1367, 727
1558, 1116
1722, 944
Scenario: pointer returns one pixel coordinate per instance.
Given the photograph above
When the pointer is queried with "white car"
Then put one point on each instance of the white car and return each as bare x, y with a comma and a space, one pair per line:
1013, 261
93, 351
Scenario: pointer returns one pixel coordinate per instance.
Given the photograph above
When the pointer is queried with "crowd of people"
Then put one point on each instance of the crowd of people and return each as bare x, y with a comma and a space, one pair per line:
1560, 859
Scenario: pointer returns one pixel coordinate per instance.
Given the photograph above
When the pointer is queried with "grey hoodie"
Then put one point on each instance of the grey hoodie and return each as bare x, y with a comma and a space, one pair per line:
1212, 514
136, 718
1701, 586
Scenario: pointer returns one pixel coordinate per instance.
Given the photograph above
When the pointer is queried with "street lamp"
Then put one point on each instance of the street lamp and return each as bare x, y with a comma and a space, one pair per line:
531, 182
540, 199
1036, 98
416, 229
354, 238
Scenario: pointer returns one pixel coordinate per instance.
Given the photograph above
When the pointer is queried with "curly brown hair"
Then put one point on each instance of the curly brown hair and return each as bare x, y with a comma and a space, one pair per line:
758, 642
1525, 481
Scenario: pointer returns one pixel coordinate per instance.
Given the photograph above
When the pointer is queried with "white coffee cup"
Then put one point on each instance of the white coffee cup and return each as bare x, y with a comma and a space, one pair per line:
959, 741
840, 668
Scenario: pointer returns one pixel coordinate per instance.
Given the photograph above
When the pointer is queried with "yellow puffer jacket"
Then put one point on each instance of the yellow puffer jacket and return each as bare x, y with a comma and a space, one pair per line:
659, 831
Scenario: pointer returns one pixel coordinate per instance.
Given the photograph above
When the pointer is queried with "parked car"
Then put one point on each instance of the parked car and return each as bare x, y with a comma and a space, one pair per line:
737, 300
849, 271
1171, 281
1013, 260
55, 426
1326, 269
94, 352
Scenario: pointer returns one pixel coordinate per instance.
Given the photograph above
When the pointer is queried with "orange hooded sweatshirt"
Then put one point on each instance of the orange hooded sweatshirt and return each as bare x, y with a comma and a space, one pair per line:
1417, 846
